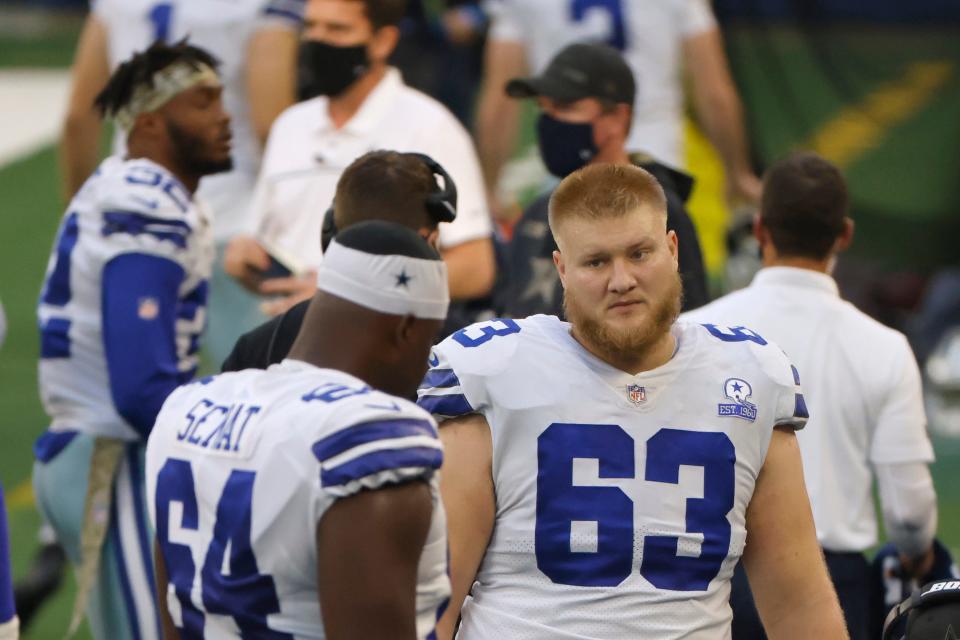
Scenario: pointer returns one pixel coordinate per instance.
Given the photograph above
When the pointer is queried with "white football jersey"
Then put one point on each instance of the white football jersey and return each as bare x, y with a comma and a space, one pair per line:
125, 207
621, 499
251, 461
224, 29
649, 34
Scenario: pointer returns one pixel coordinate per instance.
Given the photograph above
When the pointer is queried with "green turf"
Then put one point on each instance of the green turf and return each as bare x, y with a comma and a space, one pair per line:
31, 211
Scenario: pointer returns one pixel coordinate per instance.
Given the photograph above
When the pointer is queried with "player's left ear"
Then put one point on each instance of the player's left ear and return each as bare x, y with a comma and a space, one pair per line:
383, 43
673, 244
149, 123
845, 239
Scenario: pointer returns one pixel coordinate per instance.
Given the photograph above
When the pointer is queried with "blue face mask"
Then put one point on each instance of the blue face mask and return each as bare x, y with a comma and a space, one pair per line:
564, 146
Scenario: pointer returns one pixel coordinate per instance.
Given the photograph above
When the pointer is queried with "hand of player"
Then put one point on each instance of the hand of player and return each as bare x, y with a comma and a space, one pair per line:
245, 260
744, 188
918, 566
286, 292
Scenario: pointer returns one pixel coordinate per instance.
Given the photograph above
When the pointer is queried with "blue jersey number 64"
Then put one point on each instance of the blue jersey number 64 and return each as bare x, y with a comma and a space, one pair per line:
560, 504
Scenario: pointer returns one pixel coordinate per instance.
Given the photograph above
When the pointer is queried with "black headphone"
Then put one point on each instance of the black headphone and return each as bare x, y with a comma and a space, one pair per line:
441, 204
932, 593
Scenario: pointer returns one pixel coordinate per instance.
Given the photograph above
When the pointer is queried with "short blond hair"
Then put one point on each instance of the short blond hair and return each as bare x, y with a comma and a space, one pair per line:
605, 191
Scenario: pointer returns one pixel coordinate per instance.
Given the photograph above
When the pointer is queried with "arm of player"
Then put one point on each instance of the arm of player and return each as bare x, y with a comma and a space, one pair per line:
470, 268
466, 485
368, 552
81, 127
139, 309
270, 76
170, 631
720, 111
784, 563
498, 116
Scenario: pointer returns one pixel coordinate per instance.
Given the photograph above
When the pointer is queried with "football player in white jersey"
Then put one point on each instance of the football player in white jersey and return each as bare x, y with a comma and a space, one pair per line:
121, 313
663, 41
317, 474
604, 477
256, 42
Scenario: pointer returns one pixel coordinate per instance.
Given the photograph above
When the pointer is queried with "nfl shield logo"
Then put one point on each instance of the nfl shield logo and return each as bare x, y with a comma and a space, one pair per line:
636, 393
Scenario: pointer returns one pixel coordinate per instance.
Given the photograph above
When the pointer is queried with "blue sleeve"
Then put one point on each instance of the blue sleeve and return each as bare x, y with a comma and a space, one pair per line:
139, 306
7, 610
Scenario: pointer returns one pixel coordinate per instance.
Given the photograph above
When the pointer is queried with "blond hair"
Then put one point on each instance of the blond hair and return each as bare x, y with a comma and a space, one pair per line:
605, 191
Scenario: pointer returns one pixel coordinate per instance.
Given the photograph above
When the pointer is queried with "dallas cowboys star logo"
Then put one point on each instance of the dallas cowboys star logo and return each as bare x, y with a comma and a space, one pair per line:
403, 279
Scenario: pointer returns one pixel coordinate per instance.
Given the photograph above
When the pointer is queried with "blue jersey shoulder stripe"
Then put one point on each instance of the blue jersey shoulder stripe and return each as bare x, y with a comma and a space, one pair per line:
359, 434
134, 223
440, 379
382, 460
452, 406
796, 374
800, 407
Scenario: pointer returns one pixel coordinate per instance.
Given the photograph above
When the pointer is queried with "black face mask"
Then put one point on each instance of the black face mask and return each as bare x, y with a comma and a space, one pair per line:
564, 146
326, 70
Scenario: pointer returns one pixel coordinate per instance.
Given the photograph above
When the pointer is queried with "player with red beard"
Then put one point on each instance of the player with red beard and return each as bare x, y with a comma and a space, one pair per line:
603, 477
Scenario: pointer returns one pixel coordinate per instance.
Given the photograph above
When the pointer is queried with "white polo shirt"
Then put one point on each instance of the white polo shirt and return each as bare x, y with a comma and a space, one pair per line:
862, 387
650, 35
306, 154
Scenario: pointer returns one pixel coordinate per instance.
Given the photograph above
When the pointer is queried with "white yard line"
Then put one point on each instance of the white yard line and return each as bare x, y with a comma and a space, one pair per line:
32, 104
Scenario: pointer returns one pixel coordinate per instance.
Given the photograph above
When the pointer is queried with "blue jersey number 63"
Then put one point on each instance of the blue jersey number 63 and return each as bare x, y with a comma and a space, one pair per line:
560, 504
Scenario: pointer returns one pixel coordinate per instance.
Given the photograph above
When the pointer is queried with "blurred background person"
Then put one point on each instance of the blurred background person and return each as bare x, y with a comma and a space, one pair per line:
663, 41
861, 382
256, 41
585, 98
9, 624
361, 104
380, 185
441, 52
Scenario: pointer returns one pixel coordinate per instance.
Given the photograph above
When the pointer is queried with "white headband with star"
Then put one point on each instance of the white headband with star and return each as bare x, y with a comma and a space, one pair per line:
397, 285
167, 83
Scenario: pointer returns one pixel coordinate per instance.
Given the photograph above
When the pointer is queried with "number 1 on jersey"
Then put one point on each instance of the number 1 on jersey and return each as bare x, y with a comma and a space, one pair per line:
160, 17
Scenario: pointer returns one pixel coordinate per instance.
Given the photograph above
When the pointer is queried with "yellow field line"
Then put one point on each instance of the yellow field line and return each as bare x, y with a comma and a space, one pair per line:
21, 496
859, 128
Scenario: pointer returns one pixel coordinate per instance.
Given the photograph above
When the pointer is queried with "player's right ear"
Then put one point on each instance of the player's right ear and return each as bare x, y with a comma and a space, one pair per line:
561, 266
406, 331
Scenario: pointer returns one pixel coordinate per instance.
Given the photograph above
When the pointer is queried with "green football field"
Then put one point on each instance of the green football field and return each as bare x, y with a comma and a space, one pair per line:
884, 171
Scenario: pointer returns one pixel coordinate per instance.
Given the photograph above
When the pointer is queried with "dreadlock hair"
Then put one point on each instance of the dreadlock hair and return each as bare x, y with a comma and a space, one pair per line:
139, 70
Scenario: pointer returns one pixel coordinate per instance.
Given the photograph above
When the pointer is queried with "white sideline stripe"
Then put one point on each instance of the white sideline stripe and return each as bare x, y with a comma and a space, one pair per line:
32, 106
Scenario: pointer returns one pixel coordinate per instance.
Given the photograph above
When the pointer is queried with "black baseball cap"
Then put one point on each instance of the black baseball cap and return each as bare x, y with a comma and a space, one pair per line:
581, 70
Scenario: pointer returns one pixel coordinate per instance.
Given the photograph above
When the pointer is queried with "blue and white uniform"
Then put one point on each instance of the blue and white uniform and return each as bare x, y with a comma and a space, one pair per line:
121, 313
225, 30
251, 461
621, 499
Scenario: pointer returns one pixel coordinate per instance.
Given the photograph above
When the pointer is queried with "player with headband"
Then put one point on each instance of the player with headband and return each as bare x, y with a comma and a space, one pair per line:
317, 473
121, 315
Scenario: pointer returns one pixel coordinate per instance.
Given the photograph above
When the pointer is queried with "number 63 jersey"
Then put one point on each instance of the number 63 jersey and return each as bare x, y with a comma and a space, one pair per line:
621, 499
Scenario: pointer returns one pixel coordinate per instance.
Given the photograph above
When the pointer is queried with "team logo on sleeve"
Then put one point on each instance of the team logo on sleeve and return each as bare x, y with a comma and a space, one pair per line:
738, 390
148, 308
636, 394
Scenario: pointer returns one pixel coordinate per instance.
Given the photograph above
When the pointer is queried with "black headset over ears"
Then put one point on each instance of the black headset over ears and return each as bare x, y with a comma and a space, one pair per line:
938, 592
441, 204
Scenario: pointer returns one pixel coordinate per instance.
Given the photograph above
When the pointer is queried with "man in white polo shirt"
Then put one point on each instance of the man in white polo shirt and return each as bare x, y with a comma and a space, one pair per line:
861, 383
362, 104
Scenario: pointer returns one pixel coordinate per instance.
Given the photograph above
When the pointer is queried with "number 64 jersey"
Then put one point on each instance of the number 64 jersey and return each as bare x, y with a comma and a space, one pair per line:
240, 469
621, 499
